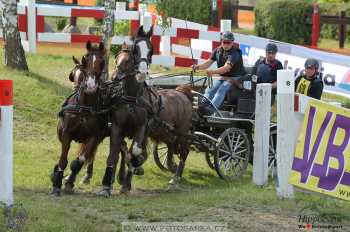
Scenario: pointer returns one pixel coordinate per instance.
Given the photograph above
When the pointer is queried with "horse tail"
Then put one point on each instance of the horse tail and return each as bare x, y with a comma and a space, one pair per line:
187, 90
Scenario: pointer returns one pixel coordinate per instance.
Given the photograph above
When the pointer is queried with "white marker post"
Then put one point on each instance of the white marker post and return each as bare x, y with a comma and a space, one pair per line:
6, 142
146, 22
285, 132
262, 134
31, 19
225, 25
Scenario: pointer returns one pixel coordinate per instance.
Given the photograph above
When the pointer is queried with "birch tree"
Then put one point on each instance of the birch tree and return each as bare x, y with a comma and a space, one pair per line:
107, 30
14, 55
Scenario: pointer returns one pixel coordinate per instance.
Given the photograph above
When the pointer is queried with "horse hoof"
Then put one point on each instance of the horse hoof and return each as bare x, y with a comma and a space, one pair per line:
175, 180
68, 188
139, 171
67, 178
124, 191
105, 192
56, 192
85, 180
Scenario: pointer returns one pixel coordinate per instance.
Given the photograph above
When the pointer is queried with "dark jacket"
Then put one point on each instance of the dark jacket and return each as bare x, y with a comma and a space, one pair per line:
234, 56
266, 72
310, 87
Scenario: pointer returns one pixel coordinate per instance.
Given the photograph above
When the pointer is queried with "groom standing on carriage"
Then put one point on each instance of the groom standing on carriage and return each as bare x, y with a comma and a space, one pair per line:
230, 68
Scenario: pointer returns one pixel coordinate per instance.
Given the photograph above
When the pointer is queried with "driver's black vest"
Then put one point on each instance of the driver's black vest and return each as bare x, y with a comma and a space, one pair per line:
237, 69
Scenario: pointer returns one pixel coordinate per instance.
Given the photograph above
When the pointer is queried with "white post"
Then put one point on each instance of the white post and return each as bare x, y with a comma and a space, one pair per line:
146, 22
120, 6
6, 140
261, 134
31, 19
165, 45
285, 132
225, 25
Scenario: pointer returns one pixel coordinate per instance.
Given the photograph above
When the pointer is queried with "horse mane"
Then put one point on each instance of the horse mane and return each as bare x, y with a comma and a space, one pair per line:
187, 90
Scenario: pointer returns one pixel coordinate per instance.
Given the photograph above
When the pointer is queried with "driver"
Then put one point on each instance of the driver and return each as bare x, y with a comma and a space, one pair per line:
230, 67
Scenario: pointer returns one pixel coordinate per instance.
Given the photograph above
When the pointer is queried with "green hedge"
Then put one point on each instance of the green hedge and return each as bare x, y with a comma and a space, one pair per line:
284, 20
193, 10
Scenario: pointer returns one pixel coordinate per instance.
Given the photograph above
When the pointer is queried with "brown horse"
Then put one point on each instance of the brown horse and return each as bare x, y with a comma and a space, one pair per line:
172, 124
78, 120
169, 110
129, 119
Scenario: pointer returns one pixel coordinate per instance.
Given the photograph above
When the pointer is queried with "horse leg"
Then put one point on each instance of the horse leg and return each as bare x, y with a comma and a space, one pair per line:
57, 174
179, 171
121, 173
113, 157
90, 166
89, 172
87, 154
138, 148
137, 157
126, 184
170, 157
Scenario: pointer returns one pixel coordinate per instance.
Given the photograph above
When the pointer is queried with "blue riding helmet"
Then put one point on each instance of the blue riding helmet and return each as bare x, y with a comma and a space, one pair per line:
271, 47
227, 35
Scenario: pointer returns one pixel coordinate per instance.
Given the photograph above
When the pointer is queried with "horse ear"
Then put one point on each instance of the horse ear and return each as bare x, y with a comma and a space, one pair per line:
150, 32
124, 46
140, 32
75, 60
88, 45
83, 61
101, 47
71, 77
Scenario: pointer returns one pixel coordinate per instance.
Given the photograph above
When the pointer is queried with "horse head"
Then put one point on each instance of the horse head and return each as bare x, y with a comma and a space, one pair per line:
142, 50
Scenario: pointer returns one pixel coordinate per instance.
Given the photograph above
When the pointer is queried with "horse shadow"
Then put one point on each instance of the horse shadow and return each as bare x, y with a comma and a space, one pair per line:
54, 86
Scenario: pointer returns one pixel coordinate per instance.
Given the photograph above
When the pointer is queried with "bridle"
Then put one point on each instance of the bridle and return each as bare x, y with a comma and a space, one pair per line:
131, 68
87, 57
137, 53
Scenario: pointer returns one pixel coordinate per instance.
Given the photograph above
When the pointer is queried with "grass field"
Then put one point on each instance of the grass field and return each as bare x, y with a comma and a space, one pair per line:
203, 198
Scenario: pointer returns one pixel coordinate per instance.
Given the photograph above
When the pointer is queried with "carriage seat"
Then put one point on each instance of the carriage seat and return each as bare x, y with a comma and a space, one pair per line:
241, 100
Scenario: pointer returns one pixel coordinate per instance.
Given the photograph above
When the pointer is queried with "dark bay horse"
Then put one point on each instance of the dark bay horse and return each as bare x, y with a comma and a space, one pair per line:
78, 121
129, 119
171, 113
169, 110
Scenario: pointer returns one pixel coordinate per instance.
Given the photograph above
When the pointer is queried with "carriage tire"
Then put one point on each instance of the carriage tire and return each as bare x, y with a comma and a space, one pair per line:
210, 158
160, 152
228, 154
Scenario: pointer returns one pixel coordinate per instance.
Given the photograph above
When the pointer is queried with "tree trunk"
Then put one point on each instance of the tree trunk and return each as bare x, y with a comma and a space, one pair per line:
14, 54
235, 13
108, 30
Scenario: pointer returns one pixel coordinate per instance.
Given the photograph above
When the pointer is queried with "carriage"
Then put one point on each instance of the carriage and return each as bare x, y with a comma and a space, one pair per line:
225, 137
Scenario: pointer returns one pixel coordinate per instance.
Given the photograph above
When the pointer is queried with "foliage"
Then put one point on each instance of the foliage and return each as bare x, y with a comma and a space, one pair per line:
284, 20
120, 28
195, 10
61, 22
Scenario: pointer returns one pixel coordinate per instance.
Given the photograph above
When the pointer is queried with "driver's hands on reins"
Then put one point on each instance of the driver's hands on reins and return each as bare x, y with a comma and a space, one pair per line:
195, 67
209, 73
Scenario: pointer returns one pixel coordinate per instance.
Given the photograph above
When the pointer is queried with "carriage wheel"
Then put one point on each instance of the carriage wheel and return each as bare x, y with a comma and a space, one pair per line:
272, 149
232, 154
161, 154
210, 158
